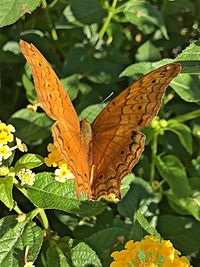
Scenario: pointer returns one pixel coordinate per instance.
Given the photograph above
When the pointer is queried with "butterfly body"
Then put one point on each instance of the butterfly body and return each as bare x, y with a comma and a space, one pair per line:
102, 154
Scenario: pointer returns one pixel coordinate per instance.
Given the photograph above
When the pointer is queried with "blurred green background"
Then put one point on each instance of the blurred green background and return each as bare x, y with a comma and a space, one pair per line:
89, 44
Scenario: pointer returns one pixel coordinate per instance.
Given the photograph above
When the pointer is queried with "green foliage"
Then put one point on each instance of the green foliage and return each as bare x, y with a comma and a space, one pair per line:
96, 48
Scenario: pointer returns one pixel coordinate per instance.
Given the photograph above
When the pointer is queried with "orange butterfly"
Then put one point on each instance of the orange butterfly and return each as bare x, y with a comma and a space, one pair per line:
102, 154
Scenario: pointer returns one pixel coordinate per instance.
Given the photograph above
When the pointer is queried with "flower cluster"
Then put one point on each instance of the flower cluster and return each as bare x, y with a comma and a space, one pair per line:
7, 137
62, 173
159, 125
26, 176
149, 253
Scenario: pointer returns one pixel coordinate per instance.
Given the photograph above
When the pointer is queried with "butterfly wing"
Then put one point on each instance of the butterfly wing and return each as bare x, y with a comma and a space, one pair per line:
117, 141
57, 104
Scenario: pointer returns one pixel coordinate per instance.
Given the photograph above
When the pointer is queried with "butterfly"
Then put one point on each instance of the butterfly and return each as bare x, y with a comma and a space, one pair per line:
99, 155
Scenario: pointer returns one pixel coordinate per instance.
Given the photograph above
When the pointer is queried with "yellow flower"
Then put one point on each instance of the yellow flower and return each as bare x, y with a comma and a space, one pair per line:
54, 159
29, 264
21, 217
22, 147
5, 152
62, 174
26, 176
6, 137
149, 253
6, 128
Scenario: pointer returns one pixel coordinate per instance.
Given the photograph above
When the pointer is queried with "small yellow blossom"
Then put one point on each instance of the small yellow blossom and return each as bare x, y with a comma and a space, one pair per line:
62, 174
26, 176
29, 264
33, 107
6, 137
6, 128
149, 253
54, 159
21, 217
111, 197
22, 147
5, 152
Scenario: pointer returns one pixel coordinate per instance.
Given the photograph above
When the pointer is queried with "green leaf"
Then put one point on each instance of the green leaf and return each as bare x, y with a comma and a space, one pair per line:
105, 71
190, 58
55, 256
71, 84
12, 10
47, 193
173, 172
6, 186
185, 206
15, 237
146, 225
187, 87
143, 14
183, 132
194, 184
147, 52
82, 255
173, 7
87, 11
142, 68
183, 232
30, 89
91, 112
12, 47
104, 240
68, 20
140, 194
29, 161
32, 127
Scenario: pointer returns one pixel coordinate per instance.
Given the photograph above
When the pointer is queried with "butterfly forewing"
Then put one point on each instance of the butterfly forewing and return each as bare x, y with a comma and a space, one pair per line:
56, 103
117, 142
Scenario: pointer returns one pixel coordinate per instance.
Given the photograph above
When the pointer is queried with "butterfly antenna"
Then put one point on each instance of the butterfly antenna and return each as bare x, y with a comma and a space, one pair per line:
100, 104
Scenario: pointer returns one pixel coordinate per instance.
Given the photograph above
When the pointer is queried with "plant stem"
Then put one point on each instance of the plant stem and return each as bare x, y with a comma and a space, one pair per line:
153, 156
188, 116
34, 213
108, 19
41, 211
44, 220
163, 7
17, 209
44, 4
51, 26
53, 3
22, 190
